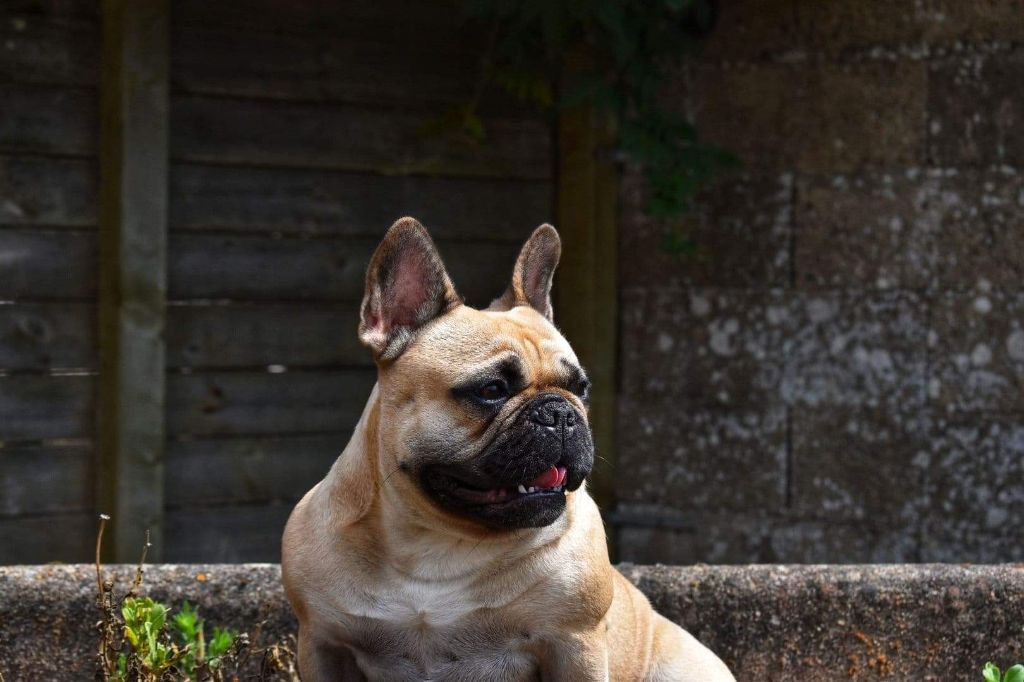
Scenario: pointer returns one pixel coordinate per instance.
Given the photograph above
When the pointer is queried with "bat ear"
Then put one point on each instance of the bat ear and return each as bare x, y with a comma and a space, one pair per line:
534, 273
406, 287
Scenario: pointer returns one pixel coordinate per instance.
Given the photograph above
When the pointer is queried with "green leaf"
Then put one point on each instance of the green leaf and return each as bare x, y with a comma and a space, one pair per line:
991, 673
1014, 674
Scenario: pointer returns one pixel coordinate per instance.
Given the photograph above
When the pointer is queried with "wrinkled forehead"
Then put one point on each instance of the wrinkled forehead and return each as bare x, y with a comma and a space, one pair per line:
468, 338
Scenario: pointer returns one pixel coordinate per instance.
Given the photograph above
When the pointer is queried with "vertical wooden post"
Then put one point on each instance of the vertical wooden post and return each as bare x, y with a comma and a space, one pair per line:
133, 247
587, 295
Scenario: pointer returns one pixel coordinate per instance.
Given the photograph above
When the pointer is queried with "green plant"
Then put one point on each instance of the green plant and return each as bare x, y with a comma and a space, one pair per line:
991, 673
141, 642
617, 56
198, 654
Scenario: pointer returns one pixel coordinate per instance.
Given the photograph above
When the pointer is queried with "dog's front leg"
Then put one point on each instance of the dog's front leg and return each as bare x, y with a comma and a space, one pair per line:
321, 662
577, 657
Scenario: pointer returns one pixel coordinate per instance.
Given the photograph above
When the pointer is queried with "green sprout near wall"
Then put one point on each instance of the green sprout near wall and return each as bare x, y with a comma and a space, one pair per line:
618, 57
991, 673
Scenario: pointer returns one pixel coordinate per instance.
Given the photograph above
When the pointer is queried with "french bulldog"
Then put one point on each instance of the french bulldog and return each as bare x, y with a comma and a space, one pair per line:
453, 538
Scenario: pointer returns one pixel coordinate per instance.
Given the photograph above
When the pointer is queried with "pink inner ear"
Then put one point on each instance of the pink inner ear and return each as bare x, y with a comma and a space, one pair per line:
409, 290
535, 286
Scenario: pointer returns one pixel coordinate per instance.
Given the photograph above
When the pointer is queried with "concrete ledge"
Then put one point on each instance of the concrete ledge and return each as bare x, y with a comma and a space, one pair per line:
806, 623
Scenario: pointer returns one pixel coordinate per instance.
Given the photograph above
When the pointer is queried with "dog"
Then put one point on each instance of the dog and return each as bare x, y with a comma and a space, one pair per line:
453, 538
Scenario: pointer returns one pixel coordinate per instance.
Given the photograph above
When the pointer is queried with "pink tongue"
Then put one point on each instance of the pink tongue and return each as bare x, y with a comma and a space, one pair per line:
552, 478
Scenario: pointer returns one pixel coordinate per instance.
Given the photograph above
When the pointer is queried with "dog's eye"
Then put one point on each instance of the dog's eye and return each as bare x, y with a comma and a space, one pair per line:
583, 390
493, 391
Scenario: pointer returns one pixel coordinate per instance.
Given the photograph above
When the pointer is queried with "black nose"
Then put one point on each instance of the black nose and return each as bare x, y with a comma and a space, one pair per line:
554, 411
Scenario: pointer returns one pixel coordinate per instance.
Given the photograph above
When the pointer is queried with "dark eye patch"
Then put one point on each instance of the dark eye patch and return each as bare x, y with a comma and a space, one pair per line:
576, 380
477, 388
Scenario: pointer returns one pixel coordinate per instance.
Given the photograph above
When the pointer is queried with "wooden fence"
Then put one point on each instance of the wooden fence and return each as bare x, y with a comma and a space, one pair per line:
296, 135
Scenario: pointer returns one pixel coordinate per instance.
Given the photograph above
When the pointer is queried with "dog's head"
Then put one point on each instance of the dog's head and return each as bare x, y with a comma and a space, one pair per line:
482, 413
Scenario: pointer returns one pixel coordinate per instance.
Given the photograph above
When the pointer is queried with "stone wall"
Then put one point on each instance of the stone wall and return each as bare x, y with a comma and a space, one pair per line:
838, 376
771, 623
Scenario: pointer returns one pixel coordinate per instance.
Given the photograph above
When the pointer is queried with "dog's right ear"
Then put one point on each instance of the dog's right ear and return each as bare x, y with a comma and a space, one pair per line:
406, 287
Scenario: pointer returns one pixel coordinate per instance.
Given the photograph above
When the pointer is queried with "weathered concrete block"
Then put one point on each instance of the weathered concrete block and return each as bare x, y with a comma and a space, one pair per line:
756, 29
702, 346
742, 227
860, 464
693, 536
718, 459
974, 487
651, 535
853, 349
975, 109
981, 238
935, 623
977, 348
919, 229
816, 118
773, 623
873, 230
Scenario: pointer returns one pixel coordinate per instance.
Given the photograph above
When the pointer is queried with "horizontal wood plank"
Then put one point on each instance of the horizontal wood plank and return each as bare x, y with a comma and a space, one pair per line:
225, 534
37, 479
349, 65
47, 264
247, 470
61, 264
36, 49
258, 267
48, 120
352, 204
343, 137
389, 19
251, 403
52, 192
45, 336
66, 537
41, 407
238, 336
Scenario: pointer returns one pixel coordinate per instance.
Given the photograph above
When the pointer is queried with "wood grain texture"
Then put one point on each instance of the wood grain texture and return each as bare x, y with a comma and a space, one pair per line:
261, 267
133, 272
51, 192
226, 534
348, 65
66, 537
47, 264
328, 202
343, 137
38, 479
255, 336
46, 336
248, 470
261, 403
37, 49
39, 407
48, 120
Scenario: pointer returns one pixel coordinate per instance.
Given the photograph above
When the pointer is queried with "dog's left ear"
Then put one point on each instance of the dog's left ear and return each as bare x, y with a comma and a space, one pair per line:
406, 287
534, 273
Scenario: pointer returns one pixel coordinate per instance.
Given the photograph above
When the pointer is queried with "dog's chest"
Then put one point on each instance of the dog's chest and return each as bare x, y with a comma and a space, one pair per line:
435, 632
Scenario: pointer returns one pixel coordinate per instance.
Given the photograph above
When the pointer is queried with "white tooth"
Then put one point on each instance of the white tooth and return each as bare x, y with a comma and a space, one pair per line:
522, 488
531, 489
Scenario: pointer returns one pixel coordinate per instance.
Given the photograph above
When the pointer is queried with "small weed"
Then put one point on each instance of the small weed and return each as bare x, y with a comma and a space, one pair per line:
991, 673
140, 641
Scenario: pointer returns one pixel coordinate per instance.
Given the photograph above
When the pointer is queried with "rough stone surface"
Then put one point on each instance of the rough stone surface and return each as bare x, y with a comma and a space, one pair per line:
882, 150
815, 118
974, 478
977, 345
742, 227
702, 458
773, 623
976, 109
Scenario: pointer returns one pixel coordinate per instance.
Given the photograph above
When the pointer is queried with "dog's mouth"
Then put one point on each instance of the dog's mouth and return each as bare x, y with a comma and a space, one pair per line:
552, 481
536, 500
